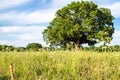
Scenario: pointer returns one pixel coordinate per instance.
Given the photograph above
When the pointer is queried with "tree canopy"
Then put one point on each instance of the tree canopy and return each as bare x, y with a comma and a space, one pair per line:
34, 46
80, 22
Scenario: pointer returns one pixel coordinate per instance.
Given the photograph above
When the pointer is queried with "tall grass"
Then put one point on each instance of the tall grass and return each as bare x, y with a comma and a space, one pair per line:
61, 65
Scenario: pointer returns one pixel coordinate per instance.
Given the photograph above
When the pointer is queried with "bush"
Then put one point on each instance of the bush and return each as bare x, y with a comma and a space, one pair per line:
33, 47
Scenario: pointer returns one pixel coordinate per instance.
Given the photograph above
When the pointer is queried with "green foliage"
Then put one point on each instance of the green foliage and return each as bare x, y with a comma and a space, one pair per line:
29, 47
80, 22
34, 46
6, 48
21, 49
60, 65
69, 46
103, 48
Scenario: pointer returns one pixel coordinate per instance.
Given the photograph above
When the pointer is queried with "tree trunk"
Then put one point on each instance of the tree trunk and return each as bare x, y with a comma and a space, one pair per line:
77, 47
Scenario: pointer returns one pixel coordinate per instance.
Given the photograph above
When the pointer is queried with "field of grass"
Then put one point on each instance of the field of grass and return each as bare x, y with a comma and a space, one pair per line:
60, 65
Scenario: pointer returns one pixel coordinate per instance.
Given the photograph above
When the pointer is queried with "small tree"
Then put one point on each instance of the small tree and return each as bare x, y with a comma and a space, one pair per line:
34, 46
0, 47
9, 48
80, 22
21, 49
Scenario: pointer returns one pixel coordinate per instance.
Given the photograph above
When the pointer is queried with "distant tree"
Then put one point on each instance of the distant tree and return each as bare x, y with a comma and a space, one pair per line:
4, 48
34, 46
9, 48
80, 22
21, 49
116, 48
0, 47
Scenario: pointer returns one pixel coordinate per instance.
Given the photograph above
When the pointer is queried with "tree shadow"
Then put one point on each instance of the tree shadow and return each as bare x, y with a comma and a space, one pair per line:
4, 77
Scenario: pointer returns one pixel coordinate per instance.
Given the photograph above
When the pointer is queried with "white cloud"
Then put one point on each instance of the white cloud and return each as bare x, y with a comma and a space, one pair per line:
115, 9
20, 43
116, 38
40, 16
8, 29
36, 17
116, 34
29, 34
21, 35
115, 41
11, 3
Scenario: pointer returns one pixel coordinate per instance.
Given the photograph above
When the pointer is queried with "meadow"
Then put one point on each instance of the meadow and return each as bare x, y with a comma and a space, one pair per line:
60, 65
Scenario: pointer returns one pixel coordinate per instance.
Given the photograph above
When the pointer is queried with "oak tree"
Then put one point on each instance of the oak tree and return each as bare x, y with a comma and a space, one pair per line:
80, 22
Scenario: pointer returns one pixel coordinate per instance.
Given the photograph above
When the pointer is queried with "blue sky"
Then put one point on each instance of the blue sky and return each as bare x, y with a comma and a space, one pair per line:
22, 21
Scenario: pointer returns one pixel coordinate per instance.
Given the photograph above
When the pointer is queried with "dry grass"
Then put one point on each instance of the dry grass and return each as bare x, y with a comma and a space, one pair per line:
61, 65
